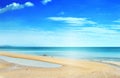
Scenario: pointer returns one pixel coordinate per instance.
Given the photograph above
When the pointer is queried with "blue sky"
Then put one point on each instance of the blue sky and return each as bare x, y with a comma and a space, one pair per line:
60, 22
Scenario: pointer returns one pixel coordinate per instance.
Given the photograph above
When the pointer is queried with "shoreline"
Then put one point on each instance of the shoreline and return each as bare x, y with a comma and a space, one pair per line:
70, 68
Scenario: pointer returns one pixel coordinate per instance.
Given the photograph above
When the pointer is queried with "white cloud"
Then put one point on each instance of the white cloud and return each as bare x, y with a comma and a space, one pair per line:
117, 21
29, 4
44, 2
73, 21
15, 6
99, 30
115, 25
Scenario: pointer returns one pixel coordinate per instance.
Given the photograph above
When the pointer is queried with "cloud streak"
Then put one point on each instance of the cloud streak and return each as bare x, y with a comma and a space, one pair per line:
15, 6
31, 36
44, 2
97, 37
73, 21
117, 21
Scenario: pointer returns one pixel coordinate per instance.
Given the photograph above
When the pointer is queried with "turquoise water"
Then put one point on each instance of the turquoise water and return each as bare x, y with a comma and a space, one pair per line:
101, 53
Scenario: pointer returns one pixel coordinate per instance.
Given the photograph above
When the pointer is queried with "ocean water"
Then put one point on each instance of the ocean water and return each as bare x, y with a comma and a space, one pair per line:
91, 53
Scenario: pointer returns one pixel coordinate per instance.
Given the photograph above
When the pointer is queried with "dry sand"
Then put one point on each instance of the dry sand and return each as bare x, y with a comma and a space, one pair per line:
70, 68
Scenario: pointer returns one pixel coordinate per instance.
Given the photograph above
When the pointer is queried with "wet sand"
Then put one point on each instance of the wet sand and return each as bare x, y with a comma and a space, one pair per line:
69, 69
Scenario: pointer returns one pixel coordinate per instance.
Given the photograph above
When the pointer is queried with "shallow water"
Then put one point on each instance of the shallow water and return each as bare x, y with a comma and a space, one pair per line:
92, 53
27, 62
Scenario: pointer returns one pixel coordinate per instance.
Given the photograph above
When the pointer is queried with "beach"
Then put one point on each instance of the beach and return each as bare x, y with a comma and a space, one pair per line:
69, 68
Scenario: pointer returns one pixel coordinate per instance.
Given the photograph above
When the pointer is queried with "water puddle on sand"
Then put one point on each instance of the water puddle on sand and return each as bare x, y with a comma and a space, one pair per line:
27, 62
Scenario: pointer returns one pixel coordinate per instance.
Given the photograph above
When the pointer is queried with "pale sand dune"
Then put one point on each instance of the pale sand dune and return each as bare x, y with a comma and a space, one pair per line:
70, 68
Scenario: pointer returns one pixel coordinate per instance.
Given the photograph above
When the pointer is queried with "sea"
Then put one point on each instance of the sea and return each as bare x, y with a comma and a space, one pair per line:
91, 53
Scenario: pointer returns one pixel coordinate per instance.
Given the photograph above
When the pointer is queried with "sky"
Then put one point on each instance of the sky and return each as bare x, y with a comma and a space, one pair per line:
81, 23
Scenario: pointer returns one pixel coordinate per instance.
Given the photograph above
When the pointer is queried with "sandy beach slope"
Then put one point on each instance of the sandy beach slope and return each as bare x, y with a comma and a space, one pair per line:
69, 69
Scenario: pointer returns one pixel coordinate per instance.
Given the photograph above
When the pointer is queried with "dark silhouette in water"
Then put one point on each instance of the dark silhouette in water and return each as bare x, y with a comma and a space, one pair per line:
44, 54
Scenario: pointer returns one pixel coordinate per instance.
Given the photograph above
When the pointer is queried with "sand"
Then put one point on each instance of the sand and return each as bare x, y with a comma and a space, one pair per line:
70, 68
